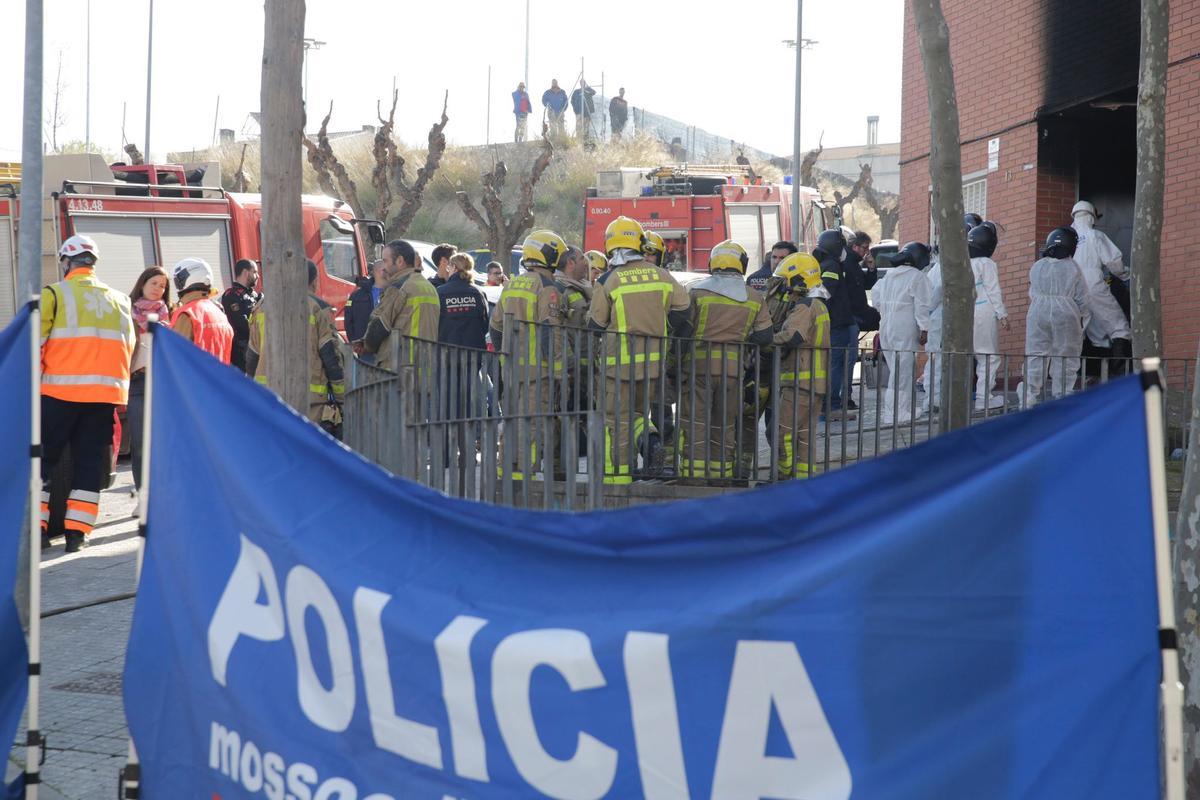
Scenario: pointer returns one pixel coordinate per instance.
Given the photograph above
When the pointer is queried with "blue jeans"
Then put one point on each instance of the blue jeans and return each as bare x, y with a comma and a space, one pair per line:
842, 340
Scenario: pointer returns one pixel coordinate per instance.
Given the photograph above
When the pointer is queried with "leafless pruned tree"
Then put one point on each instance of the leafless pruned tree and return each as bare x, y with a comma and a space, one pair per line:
502, 231
810, 160
390, 178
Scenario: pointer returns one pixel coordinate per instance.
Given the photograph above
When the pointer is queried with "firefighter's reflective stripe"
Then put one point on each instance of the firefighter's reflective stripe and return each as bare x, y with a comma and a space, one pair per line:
82, 508
619, 297
818, 362
45, 509
616, 473
80, 331
831, 275
87, 341
323, 388
707, 301
414, 322
85, 380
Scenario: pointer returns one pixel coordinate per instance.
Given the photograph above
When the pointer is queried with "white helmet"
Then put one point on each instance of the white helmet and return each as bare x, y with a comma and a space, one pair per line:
1083, 206
79, 247
191, 272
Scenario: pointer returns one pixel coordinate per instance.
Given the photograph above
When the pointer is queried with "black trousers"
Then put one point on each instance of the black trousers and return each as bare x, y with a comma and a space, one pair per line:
88, 429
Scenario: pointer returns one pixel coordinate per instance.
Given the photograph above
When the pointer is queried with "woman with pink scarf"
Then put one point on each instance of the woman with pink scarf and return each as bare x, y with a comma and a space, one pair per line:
151, 295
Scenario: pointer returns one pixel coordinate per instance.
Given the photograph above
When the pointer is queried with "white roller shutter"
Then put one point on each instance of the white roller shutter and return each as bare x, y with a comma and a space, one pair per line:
206, 238
126, 247
8, 278
743, 229
770, 226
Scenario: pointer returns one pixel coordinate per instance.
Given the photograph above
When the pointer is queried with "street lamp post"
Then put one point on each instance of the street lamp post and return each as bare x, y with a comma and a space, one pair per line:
799, 43
309, 44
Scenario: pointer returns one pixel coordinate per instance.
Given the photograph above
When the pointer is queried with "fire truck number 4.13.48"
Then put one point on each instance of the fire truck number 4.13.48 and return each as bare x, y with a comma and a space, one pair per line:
85, 205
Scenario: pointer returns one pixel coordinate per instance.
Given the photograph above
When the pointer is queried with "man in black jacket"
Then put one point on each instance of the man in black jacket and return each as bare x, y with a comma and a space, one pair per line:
858, 281
779, 251
239, 301
831, 253
363, 300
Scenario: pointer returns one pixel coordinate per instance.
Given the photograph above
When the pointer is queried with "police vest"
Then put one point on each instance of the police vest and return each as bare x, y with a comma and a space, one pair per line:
211, 331
88, 338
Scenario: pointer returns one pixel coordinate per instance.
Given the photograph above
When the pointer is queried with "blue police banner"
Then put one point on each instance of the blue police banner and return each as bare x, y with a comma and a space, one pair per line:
972, 617
15, 375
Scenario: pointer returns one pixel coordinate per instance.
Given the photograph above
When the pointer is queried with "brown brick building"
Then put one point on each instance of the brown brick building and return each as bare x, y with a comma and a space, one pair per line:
1049, 86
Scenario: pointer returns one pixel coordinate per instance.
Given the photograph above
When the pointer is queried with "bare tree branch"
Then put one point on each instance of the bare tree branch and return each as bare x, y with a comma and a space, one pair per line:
321, 155
414, 193
500, 230
810, 161
241, 182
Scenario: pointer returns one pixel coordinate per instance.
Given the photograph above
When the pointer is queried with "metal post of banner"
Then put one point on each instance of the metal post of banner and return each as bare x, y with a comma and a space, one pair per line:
129, 780
1171, 689
34, 742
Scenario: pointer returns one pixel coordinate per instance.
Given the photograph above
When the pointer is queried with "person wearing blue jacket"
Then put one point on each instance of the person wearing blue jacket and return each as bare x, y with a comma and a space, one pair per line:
555, 101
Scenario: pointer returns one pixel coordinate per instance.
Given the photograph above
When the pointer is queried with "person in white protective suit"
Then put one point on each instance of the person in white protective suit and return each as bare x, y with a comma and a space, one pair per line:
1058, 314
902, 298
990, 314
1095, 255
931, 376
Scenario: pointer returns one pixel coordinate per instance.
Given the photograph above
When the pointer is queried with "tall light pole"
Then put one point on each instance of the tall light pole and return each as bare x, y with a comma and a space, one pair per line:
799, 43
149, 75
87, 114
309, 44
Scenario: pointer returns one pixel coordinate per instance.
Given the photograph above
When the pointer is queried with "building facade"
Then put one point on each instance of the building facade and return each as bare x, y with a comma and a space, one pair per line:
1047, 92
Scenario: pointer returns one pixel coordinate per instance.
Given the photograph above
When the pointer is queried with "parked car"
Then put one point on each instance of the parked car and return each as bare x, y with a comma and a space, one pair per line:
425, 252
483, 257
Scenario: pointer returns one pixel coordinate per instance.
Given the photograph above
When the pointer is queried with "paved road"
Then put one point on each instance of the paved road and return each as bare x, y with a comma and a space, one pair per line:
83, 654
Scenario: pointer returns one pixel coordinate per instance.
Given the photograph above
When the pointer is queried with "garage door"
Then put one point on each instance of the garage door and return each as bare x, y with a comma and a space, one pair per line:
743, 229
126, 247
197, 238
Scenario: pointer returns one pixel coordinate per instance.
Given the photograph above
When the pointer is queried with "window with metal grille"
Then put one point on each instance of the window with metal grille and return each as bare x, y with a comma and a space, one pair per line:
974, 201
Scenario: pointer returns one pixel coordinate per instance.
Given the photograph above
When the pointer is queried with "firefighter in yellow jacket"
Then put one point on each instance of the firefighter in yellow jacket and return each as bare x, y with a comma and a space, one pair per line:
728, 320
409, 304
326, 372
636, 303
535, 299
87, 343
804, 337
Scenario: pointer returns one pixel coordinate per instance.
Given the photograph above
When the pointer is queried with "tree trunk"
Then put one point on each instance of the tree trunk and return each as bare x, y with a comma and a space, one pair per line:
1148, 197
945, 172
285, 275
1187, 596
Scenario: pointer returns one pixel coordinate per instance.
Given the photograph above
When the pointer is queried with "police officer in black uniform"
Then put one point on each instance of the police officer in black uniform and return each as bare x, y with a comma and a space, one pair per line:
779, 251
238, 301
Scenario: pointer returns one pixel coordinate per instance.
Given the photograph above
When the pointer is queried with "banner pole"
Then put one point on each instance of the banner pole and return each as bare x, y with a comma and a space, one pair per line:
33, 738
130, 779
1171, 688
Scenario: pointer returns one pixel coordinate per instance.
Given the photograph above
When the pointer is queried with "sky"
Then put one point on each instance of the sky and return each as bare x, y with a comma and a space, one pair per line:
719, 66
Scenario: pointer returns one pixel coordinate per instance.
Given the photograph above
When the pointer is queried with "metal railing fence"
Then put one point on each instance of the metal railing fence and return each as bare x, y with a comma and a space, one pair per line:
563, 416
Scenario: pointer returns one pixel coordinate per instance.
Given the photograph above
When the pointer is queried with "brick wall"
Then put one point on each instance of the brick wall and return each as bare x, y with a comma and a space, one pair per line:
1180, 287
1001, 88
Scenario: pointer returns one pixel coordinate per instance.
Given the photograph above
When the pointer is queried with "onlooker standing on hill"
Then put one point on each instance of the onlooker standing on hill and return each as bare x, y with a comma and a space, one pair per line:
555, 101
584, 106
521, 109
618, 114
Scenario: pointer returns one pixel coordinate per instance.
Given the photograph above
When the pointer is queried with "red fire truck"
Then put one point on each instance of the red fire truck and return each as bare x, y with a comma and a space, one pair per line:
695, 207
160, 214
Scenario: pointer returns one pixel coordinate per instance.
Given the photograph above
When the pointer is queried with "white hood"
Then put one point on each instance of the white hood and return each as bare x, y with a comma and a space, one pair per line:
726, 284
